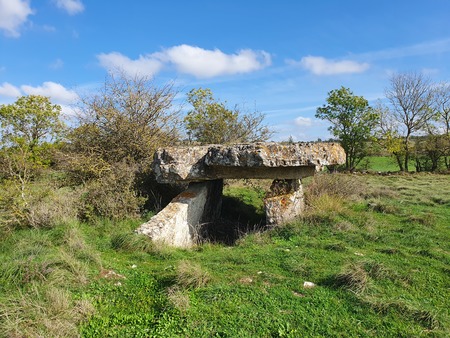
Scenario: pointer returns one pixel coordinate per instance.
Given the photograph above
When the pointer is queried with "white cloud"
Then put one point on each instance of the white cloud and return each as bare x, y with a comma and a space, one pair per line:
191, 60
145, 65
321, 66
7, 89
70, 6
303, 121
13, 14
57, 92
205, 63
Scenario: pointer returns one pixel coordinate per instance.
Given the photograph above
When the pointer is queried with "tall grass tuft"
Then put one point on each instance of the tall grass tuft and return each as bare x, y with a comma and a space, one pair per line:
42, 312
132, 242
326, 195
191, 275
353, 277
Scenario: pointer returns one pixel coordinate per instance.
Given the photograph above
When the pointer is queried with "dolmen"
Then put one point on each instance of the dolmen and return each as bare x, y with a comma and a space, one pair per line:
204, 169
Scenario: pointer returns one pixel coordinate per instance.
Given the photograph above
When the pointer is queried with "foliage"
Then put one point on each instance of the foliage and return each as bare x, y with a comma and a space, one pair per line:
111, 150
32, 120
28, 127
442, 107
128, 119
211, 121
112, 195
352, 123
411, 98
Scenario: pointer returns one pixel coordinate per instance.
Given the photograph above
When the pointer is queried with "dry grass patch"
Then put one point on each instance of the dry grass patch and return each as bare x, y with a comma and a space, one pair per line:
191, 275
178, 299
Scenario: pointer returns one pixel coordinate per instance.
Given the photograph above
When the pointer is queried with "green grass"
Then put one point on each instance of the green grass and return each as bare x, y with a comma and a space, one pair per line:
380, 262
379, 163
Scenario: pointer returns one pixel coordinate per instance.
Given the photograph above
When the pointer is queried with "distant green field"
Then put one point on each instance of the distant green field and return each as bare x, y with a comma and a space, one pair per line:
378, 163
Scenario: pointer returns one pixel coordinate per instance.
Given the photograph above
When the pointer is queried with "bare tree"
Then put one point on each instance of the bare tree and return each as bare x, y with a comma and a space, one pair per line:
442, 107
410, 95
127, 119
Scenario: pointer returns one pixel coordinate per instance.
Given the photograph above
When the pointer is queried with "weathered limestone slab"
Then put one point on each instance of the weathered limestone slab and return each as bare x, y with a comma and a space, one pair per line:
178, 223
285, 201
255, 160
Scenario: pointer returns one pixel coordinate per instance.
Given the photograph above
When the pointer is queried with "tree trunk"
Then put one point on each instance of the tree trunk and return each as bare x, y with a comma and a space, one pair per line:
406, 153
399, 161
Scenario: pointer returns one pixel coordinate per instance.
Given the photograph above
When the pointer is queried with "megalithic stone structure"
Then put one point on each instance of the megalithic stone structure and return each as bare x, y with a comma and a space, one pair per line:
205, 168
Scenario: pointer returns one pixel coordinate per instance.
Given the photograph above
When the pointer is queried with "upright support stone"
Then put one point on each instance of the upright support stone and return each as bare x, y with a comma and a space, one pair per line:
178, 224
285, 201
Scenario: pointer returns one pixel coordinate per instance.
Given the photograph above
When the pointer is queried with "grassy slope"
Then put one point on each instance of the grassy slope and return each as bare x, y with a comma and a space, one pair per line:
381, 265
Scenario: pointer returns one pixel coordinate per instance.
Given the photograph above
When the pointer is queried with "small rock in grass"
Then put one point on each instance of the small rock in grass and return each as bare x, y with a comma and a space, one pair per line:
308, 285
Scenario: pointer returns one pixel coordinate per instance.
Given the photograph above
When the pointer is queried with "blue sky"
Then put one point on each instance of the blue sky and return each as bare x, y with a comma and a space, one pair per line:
279, 57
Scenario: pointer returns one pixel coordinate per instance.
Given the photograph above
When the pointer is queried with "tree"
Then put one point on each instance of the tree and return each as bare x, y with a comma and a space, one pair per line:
211, 121
352, 122
128, 119
387, 134
28, 127
32, 121
111, 149
442, 108
410, 96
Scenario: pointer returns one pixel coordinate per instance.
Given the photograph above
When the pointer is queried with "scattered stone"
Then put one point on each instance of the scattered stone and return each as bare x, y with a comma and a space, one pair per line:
134, 266
296, 294
359, 254
309, 285
246, 280
110, 274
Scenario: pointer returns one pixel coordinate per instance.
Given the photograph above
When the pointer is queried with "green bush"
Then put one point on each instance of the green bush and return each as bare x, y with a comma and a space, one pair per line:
112, 195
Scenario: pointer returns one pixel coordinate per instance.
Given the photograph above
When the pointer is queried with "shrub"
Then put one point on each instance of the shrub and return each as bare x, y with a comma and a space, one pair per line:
41, 205
112, 195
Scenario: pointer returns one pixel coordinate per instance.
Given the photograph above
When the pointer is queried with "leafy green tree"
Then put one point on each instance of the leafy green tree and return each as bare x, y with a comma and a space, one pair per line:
352, 122
32, 122
28, 128
211, 121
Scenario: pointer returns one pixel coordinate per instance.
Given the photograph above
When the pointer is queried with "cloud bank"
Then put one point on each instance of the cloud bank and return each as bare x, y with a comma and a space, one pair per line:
191, 60
13, 14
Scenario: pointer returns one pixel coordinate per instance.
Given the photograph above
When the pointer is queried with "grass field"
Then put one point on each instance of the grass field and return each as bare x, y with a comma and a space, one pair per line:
379, 163
379, 259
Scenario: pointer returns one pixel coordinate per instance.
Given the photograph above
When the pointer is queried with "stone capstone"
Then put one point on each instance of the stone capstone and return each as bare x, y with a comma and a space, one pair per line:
205, 167
254, 160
